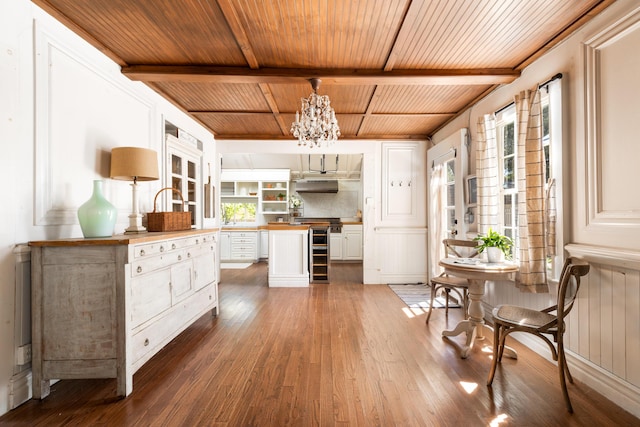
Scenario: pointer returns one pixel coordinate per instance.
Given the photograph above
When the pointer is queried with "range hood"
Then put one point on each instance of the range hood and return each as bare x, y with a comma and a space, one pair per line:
317, 186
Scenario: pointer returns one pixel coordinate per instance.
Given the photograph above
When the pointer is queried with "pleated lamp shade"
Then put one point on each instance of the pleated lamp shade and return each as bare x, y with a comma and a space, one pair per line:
134, 164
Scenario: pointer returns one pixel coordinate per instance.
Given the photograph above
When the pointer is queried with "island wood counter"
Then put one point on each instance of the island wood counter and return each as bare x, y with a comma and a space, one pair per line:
102, 307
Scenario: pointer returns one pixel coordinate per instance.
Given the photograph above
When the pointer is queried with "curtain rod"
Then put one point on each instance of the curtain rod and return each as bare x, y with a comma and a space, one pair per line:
556, 77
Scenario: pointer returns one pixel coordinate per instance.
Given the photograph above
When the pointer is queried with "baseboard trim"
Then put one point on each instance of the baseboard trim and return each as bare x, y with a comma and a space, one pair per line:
20, 389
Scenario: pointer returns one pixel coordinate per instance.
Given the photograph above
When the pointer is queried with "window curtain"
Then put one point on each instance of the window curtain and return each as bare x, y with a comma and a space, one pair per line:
487, 174
532, 276
552, 217
436, 182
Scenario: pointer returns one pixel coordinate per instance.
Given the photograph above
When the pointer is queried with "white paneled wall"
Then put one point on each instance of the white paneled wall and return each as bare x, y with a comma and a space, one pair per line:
603, 330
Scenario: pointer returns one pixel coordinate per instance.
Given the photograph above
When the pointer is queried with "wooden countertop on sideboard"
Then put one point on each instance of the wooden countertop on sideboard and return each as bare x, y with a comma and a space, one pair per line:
122, 239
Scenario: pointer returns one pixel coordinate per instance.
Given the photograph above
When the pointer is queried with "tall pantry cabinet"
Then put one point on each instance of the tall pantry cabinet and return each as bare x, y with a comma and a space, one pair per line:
401, 232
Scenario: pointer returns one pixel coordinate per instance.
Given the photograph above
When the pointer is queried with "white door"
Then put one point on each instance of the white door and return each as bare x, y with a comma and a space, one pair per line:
448, 167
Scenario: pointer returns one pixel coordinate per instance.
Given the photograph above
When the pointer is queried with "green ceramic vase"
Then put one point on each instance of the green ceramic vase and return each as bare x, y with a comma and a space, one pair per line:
97, 215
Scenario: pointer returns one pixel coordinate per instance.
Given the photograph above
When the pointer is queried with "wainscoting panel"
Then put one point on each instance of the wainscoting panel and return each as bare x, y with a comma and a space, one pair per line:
603, 330
402, 254
81, 101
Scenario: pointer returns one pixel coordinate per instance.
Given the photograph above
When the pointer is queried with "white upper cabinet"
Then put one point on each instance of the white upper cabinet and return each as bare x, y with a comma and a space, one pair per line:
403, 184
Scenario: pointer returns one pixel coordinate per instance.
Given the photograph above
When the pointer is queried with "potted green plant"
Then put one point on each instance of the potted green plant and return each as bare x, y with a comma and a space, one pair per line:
281, 196
496, 245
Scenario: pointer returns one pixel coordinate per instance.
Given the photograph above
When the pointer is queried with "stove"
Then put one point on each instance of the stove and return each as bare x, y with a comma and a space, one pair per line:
335, 225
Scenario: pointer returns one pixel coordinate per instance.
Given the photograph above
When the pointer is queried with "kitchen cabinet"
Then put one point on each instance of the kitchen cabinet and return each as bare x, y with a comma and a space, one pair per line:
352, 242
275, 196
234, 190
288, 255
238, 245
244, 245
335, 246
185, 175
269, 188
101, 308
264, 244
225, 246
403, 184
347, 246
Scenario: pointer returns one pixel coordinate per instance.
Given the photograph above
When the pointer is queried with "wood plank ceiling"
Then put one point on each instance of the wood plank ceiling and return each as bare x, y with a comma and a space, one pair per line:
393, 69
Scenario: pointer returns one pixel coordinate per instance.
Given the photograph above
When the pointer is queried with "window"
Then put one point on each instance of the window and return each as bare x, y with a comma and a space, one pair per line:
508, 171
236, 212
450, 196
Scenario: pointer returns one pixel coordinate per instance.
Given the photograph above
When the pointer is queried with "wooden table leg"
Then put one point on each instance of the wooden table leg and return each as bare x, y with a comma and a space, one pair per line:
472, 326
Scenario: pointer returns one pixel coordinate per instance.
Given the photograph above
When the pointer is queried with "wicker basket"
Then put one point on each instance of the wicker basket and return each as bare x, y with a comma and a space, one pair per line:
168, 221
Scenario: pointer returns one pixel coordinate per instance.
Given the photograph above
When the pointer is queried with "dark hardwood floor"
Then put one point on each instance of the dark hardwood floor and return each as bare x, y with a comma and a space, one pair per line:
338, 354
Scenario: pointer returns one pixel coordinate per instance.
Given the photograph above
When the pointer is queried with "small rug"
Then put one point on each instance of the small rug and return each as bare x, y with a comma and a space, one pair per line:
417, 295
235, 265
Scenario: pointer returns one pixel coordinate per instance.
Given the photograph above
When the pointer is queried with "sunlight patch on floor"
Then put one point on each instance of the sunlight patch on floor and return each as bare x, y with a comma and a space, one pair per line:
407, 311
469, 387
412, 312
502, 418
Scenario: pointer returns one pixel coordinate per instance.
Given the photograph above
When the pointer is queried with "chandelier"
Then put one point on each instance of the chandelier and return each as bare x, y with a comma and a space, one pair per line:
316, 124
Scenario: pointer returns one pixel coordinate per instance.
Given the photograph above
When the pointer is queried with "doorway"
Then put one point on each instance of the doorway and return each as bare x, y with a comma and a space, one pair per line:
448, 162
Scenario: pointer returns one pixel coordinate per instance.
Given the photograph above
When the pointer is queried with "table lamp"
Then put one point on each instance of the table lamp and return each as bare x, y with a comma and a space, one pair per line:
134, 164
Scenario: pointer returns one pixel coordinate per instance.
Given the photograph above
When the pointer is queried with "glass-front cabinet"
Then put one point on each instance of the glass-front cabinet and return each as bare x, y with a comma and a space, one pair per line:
184, 173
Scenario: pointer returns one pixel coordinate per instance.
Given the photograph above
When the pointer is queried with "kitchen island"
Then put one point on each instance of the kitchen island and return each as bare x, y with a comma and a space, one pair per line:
288, 255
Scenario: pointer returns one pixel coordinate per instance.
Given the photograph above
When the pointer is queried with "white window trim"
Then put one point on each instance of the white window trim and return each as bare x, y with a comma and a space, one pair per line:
557, 150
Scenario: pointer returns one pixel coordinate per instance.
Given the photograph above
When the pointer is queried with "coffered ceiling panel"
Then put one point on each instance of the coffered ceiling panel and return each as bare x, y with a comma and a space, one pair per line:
196, 96
392, 69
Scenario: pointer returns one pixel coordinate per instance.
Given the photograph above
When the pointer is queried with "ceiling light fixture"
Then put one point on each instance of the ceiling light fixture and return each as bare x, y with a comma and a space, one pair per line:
316, 124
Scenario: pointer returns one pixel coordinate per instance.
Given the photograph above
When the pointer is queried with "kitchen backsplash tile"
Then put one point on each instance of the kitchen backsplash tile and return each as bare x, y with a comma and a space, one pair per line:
344, 203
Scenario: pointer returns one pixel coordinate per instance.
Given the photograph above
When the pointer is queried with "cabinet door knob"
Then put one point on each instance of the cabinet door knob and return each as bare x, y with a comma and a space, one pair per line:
173, 246
139, 269
188, 254
179, 257
161, 248
146, 342
197, 241
141, 252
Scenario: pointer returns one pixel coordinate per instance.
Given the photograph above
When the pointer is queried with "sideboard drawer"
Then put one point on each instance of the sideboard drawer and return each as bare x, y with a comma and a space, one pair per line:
149, 249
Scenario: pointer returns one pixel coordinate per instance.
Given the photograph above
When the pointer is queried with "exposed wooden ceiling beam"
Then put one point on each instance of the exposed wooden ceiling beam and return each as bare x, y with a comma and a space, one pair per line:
209, 74
231, 137
239, 33
255, 113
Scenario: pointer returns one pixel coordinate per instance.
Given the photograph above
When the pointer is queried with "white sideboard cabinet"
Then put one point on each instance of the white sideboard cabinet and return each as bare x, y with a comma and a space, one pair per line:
101, 308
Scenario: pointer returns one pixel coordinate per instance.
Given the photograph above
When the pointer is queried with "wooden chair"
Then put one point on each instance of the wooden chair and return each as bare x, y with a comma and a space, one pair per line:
510, 318
449, 283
